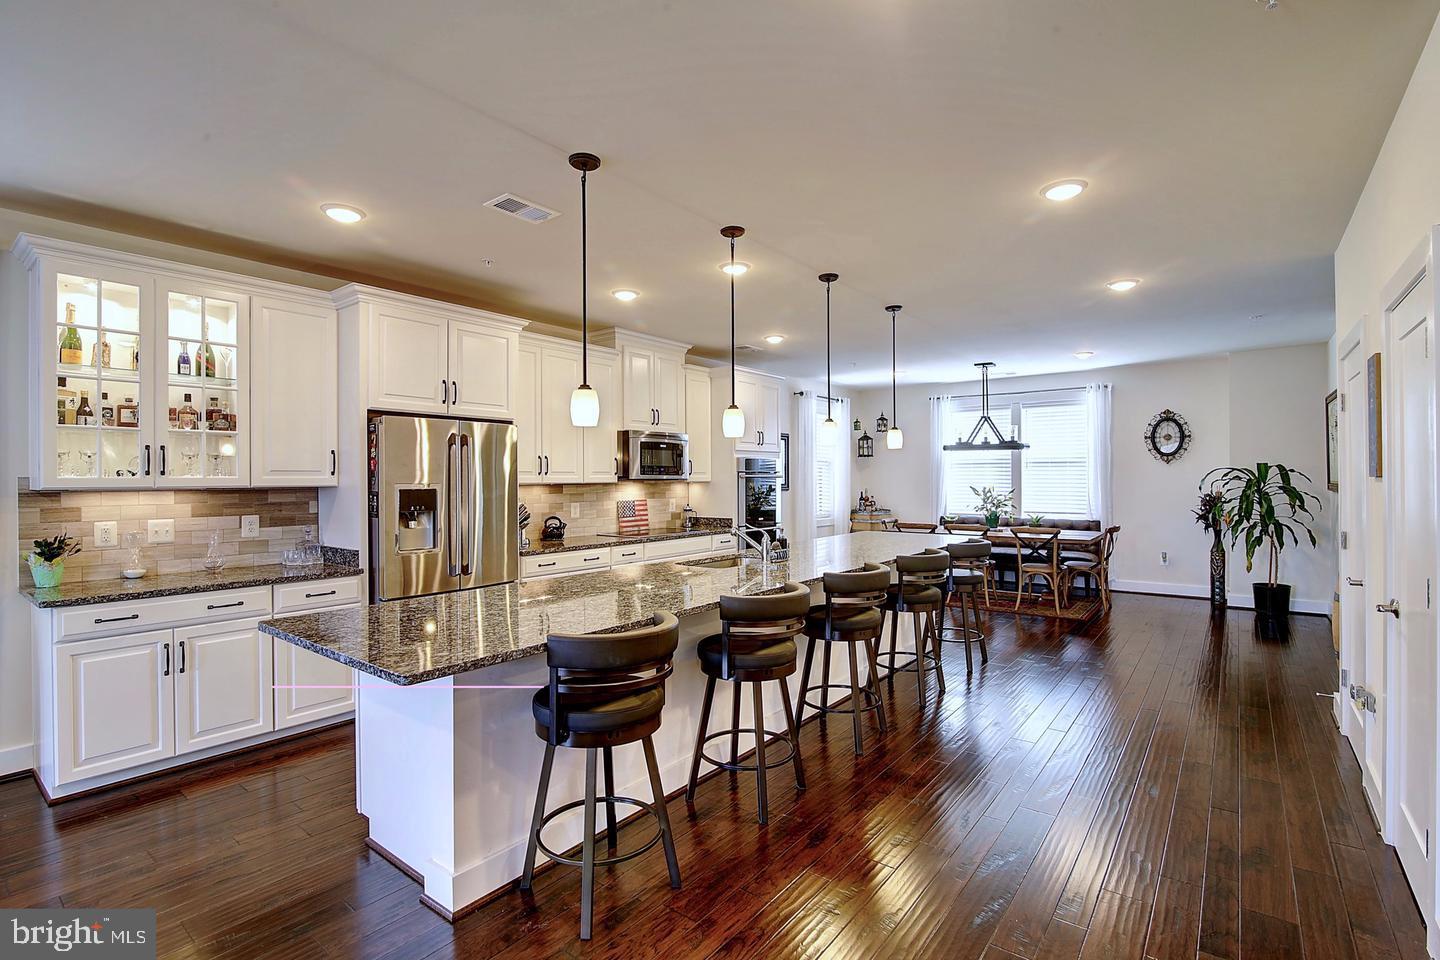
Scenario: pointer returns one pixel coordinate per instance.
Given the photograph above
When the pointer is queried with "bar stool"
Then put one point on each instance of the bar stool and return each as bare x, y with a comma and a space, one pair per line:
605, 690
850, 614
918, 591
963, 589
756, 643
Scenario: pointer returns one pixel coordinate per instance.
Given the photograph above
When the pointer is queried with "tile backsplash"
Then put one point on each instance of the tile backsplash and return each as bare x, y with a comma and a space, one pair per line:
589, 508
283, 513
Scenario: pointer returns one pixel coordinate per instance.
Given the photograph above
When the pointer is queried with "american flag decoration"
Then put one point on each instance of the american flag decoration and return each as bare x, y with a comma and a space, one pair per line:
634, 517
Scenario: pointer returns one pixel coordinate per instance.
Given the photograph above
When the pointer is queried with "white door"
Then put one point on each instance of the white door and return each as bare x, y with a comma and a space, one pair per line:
409, 369
223, 684
698, 422
563, 443
309, 687
639, 387
602, 443
527, 413
1410, 461
114, 704
1357, 611
669, 393
482, 358
295, 391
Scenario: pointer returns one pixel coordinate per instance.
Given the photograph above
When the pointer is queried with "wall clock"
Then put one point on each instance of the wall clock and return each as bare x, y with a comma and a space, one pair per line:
1168, 436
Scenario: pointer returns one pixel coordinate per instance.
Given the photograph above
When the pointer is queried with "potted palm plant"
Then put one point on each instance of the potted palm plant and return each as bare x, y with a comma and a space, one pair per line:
1264, 506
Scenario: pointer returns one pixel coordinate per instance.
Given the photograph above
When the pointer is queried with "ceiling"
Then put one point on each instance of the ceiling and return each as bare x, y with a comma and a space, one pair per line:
899, 143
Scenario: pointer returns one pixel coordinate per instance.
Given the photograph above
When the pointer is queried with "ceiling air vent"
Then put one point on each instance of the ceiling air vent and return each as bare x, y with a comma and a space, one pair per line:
746, 348
524, 209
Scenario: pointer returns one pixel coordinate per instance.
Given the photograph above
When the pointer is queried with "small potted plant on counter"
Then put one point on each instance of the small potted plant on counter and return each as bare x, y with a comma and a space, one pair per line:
993, 505
1264, 506
47, 560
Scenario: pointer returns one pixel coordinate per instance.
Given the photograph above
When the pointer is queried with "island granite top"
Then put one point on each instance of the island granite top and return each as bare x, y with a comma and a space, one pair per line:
88, 592
706, 526
427, 638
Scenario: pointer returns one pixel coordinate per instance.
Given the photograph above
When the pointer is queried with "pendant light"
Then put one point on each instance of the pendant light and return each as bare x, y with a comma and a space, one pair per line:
985, 429
829, 428
732, 423
584, 401
894, 436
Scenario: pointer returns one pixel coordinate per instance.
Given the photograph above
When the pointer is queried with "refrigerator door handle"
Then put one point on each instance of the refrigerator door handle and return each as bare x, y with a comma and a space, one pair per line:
450, 498
467, 503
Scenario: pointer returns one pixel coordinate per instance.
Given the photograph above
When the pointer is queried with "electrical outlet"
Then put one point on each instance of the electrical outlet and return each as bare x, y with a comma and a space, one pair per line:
249, 527
161, 531
107, 533
1164, 558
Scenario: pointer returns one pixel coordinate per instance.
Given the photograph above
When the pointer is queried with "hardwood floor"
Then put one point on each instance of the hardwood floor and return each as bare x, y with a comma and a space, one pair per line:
1155, 785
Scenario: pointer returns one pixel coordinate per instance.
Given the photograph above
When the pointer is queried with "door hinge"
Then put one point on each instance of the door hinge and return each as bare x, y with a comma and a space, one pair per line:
1427, 843
1342, 403
1344, 540
1427, 593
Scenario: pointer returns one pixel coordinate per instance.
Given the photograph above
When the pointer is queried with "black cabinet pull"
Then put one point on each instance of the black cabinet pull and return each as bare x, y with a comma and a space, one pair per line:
167, 661
588, 559
550, 564
617, 468
332, 463
162, 460
454, 391
224, 606
133, 616
445, 391
147, 459
182, 656
323, 593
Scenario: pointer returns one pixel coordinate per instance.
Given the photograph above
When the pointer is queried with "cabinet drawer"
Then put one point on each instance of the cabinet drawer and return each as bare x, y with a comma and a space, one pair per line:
630, 553
684, 547
316, 595
549, 564
109, 619
723, 543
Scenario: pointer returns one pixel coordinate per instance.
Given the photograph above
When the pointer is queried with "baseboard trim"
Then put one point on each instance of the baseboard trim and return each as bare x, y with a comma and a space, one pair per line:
17, 761
1240, 601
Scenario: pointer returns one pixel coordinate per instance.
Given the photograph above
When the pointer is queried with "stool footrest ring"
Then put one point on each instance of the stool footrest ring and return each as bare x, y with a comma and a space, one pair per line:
620, 858
872, 699
968, 635
780, 738
909, 665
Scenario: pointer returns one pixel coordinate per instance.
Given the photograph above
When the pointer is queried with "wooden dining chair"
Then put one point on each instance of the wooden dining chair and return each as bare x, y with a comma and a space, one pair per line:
955, 527
913, 526
1037, 557
1096, 569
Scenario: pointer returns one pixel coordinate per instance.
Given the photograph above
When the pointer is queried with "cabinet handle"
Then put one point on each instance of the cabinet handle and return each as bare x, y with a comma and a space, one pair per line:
225, 606
454, 391
550, 564
445, 391
162, 459
323, 593
633, 553
133, 616
332, 463
692, 467
182, 656
547, 464
539, 465
617, 468
167, 660
591, 559
147, 459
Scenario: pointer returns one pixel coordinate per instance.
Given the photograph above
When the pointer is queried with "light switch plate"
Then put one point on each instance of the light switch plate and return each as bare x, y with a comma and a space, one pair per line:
161, 531
107, 533
249, 527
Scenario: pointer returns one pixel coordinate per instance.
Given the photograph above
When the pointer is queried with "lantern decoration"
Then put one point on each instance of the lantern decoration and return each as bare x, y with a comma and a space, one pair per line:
867, 446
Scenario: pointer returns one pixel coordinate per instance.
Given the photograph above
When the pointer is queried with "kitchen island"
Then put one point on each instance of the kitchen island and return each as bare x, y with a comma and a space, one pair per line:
446, 752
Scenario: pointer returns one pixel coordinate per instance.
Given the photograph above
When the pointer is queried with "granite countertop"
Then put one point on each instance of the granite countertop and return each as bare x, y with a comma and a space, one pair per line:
590, 542
426, 638
174, 584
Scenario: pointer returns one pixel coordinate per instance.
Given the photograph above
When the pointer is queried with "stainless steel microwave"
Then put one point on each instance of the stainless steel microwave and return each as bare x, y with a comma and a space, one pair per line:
650, 455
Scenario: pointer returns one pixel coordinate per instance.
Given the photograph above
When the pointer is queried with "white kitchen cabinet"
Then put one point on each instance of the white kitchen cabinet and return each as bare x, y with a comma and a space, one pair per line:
562, 443
527, 412
309, 687
409, 360
482, 369
670, 391
113, 704
602, 441
759, 396
294, 393
224, 684
652, 380
550, 448
698, 421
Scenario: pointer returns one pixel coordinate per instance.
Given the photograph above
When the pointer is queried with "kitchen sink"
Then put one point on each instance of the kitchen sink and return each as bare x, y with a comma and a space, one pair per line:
716, 563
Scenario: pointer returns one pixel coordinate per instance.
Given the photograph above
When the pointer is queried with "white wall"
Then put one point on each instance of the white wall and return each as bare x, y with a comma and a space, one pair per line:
1244, 407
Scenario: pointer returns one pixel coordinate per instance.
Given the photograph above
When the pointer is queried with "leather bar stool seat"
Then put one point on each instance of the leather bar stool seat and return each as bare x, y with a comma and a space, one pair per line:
870, 618
969, 569
922, 582
781, 656
600, 717
850, 615
916, 596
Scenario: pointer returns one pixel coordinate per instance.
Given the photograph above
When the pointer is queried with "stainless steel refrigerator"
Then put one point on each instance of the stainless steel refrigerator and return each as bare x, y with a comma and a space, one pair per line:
443, 501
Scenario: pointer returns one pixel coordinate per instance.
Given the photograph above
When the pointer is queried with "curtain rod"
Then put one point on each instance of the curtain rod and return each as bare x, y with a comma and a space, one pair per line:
1008, 393
819, 396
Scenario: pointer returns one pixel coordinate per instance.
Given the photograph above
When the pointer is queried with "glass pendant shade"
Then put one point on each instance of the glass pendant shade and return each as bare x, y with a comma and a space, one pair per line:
732, 424
829, 428
584, 406
894, 438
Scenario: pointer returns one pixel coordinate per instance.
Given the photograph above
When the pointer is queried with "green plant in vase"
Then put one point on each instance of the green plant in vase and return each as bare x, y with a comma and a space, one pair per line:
47, 559
992, 505
1264, 506
1210, 514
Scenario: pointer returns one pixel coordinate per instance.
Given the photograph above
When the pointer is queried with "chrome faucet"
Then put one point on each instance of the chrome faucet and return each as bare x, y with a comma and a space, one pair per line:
757, 539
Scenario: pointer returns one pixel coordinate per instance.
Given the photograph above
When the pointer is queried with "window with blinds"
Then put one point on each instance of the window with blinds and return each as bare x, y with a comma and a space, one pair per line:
828, 462
1051, 478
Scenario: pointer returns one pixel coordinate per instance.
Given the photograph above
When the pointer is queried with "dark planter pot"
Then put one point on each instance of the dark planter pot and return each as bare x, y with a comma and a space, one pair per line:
1272, 603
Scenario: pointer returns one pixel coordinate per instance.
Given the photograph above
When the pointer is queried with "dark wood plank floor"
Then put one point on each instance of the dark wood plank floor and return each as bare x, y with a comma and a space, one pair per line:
1158, 784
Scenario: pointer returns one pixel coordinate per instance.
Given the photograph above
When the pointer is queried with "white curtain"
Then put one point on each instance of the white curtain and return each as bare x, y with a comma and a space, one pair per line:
840, 410
802, 468
937, 461
1098, 416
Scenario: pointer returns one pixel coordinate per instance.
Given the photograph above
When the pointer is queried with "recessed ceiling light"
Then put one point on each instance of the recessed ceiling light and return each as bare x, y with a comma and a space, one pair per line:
736, 268
1084, 354
774, 339
625, 296
1123, 286
343, 212
1062, 190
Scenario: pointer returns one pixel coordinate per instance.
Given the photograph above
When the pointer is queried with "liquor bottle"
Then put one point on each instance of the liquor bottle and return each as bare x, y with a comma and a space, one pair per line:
182, 365
71, 350
127, 414
187, 417
100, 353
212, 410
222, 422
174, 419
107, 411
209, 361
84, 414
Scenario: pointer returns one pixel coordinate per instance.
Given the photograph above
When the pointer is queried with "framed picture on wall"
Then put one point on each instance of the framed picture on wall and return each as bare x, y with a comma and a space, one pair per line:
784, 461
1375, 441
1332, 438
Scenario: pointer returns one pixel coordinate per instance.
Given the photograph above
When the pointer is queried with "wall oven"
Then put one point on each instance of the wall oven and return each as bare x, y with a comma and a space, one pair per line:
650, 455
759, 495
